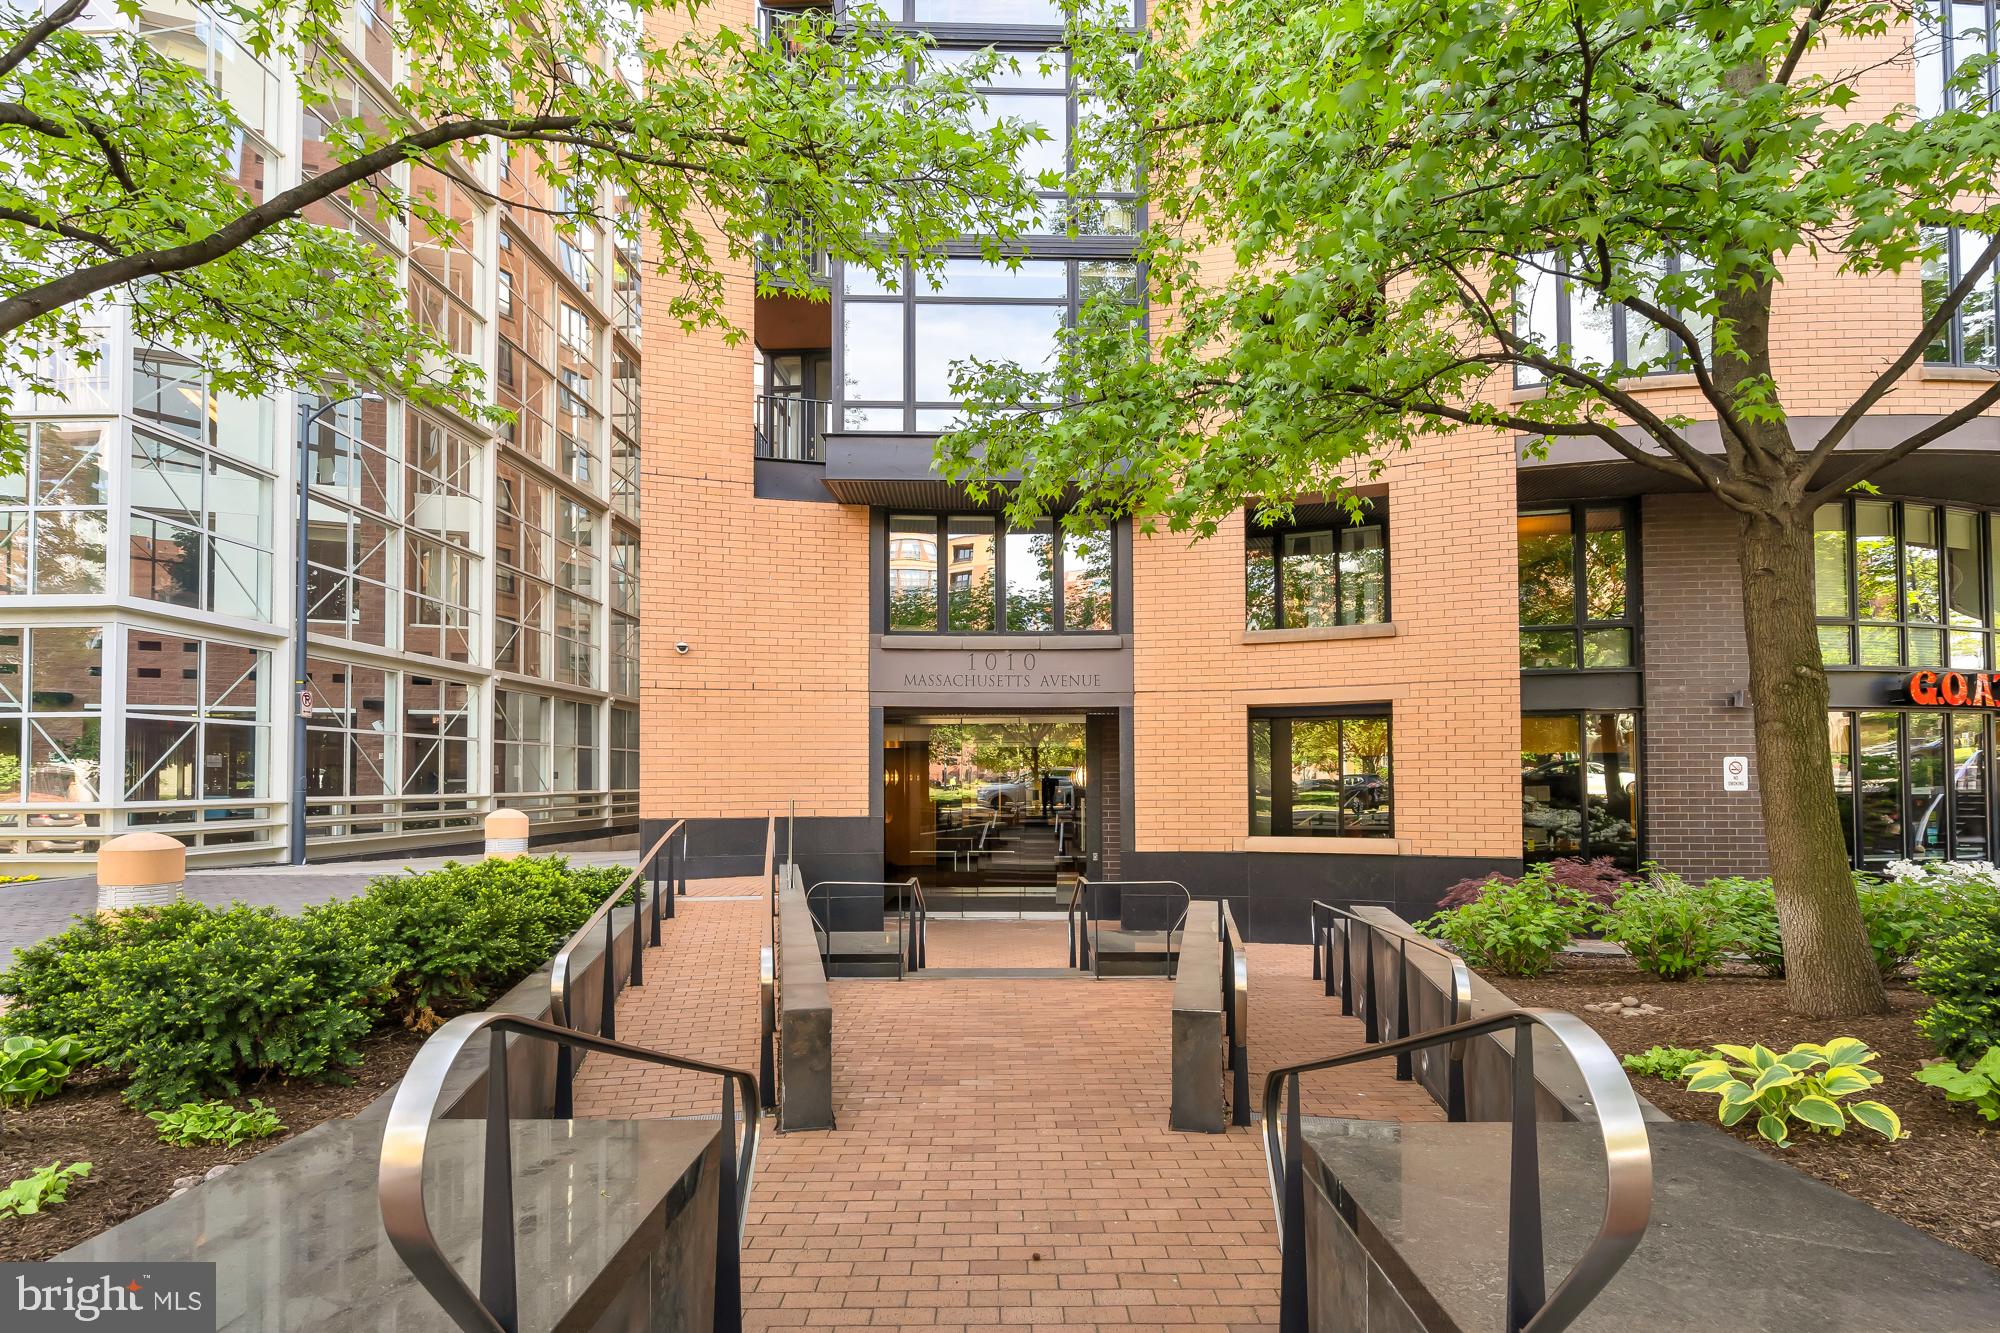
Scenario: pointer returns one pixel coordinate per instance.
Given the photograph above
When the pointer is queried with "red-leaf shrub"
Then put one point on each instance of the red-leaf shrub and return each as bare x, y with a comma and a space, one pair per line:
1599, 880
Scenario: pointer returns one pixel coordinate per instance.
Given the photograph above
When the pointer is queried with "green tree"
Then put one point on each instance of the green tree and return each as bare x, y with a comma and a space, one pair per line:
1388, 177
126, 179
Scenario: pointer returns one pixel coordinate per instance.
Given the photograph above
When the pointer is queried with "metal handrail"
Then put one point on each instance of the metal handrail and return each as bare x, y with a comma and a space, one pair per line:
1235, 1013
399, 1186
560, 966
909, 944
1628, 1199
1461, 991
1093, 923
792, 428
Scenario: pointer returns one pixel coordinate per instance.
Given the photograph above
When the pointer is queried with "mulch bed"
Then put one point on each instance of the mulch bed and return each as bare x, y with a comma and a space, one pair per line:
131, 1169
1943, 1178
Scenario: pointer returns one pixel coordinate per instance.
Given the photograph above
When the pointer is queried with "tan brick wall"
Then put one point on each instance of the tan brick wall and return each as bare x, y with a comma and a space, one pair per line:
1450, 674
771, 702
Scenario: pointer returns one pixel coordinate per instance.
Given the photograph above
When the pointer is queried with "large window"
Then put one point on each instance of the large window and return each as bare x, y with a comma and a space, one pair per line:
1967, 339
898, 348
1951, 35
1568, 319
1580, 786
1905, 584
1578, 595
966, 574
1914, 785
1320, 773
1311, 574
51, 724
195, 721
52, 514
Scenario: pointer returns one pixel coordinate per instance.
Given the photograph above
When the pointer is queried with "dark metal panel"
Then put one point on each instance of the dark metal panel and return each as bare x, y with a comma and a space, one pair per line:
777, 479
1569, 691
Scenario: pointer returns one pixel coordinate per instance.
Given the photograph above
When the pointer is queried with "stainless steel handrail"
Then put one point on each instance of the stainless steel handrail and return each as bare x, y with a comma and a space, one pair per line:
1461, 990
1628, 1199
494, 1308
1235, 1013
560, 965
1093, 923
909, 904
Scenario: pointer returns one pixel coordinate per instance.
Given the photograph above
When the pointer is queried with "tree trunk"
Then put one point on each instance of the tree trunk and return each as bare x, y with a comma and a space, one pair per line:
1829, 969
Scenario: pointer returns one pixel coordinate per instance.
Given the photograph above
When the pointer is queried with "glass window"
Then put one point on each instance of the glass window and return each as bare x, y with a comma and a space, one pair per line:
1297, 577
1925, 785
1580, 786
201, 529
1898, 583
1320, 773
52, 515
1022, 580
1968, 338
1578, 599
51, 720
1031, 577
1569, 320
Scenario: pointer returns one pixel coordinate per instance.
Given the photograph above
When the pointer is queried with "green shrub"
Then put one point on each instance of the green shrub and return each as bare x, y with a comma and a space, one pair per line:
190, 1000
1664, 1062
1672, 929
1978, 1086
1785, 1088
31, 1067
1751, 909
1900, 915
44, 1189
216, 1122
453, 938
1515, 929
1960, 971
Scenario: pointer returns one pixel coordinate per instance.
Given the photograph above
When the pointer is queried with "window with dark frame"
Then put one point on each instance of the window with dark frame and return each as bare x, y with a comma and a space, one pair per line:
1321, 772
1578, 590
1325, 568
1555, 311
1903, 583
971, 574
1914, 785
1580, 788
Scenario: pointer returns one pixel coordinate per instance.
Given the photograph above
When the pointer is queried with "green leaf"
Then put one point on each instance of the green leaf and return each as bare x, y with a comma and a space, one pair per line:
1772, 1127
1877, 1117
1776, 1076
1848, 1051
1821, 1112
1731, 1112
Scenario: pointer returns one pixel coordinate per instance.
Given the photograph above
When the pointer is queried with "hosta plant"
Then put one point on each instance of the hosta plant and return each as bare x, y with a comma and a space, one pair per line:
1978, 1087
32, 1067
45, 1188
1806, 1085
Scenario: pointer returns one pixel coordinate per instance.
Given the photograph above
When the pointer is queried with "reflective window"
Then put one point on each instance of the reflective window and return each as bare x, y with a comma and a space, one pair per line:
522, 750
1321, 773
1580, 786
51, 721
1968, 338
52, 514
1578, 597
576, 746
201, 528
1568, 319
1322, 568
1898, 583
1914, 785
624, 765
1954, 36
973, 312
967, 574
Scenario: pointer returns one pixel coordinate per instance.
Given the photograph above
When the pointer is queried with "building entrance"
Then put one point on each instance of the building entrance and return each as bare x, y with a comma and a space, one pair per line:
993, 812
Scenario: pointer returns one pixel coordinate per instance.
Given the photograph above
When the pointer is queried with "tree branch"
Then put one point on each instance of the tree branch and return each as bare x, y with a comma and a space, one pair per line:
1802, 41
1943, 426
1976, 273
96, 240
60, 17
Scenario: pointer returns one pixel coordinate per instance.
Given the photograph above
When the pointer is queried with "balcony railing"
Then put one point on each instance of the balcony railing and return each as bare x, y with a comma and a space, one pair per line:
792, 428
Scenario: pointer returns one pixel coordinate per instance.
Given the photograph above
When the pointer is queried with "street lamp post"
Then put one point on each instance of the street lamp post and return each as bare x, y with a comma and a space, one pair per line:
301, 700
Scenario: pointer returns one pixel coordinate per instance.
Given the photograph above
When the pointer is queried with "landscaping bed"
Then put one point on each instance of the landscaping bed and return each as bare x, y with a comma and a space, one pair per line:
132, 1169
1944, 1178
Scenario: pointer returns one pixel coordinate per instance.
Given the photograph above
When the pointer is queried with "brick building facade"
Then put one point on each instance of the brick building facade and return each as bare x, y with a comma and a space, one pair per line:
1513, 657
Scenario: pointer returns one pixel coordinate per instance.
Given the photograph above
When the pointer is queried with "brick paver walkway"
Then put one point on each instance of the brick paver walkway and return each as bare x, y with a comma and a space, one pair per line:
1002, 1157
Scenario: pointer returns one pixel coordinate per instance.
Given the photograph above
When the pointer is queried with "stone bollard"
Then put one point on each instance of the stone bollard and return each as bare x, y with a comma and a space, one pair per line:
506, 835
139, 870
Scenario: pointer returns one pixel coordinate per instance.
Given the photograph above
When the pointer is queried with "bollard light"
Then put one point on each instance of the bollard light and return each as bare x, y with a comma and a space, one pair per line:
506, 835
139, 870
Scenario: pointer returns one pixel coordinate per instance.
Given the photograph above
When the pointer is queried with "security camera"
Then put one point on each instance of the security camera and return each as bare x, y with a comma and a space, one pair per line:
681, 647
